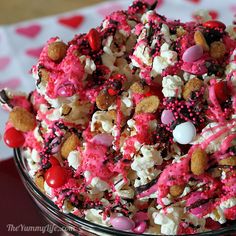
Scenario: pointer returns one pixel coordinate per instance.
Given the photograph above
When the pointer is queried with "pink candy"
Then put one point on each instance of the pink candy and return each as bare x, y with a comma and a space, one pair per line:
103, 139
66, 90
167, 117
192, 54
140, 227
122, 223
140, 216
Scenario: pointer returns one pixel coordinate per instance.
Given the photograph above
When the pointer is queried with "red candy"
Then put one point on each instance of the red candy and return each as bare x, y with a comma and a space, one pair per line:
230, 213
94, 39
112, 91
214, 24
221, 91
54, 161
56, 176
14, 138
211, 224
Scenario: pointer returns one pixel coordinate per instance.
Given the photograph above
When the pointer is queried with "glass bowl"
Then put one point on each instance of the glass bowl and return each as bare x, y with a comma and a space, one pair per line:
71, 223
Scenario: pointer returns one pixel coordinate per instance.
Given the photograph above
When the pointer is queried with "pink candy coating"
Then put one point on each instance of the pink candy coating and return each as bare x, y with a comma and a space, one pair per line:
192, 54
103, 139
140, 216
66, 90
122, 223
167, 117
140, 227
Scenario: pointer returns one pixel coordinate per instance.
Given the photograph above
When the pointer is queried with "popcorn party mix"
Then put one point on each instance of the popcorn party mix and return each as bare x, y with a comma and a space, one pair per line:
133, 124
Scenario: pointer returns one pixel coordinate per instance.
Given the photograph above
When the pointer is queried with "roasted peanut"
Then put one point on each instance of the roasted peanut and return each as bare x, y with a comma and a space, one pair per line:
217, 50
22, 119
57, 51
104, 100
198, 161
148, 105
176, 190
191, 86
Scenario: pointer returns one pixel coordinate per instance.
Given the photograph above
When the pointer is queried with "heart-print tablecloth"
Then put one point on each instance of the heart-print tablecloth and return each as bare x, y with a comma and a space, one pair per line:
21, 43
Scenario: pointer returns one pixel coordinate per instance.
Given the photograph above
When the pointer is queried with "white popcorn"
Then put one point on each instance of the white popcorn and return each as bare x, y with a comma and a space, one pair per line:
126, 193
48, 190
103, 118
148, 158
37, 135
89, 66
218, 213
141, 55
96, 217
167, 57
109, 60
211, 130
127, 104
166, 33
74, 159
55, 114
143, 164
172, 86
169, 222
35, 156
99, 185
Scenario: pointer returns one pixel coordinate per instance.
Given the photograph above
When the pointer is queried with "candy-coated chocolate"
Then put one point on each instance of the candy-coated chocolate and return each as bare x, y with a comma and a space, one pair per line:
94, 39
14, 138
184, 133
167, 117
140, 227
56, 176
214, 24
193, 53
122, 223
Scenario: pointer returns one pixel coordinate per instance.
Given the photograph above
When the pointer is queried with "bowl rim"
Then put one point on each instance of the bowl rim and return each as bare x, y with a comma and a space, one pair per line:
85, 223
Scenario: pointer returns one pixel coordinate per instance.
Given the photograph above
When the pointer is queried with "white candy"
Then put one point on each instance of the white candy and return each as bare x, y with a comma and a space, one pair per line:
184, 133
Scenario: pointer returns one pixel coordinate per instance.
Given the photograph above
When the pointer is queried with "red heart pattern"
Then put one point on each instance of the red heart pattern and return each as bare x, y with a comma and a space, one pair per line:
233, 8
108, 9
30, 31
72, 21
4, 62
34, 52
195, 1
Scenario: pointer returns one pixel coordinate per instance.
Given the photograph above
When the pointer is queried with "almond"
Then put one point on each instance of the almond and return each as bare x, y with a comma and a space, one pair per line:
104, 100
176, 190
199, 161
22, 119
70, 144
148, 105
57, 51
200, 40
192, 85
217, 50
